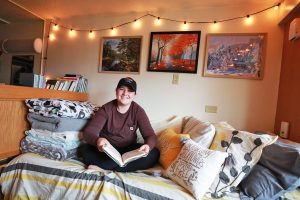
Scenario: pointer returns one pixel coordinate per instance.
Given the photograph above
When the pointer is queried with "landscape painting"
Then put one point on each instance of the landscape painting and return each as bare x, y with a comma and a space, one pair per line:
120, 54
235, 55
174, 51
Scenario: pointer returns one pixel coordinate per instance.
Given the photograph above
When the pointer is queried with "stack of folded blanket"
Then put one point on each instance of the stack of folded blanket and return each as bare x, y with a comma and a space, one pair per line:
56, 127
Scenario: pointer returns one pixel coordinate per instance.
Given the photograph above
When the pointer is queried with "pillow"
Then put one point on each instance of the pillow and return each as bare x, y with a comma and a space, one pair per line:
244, 150
169, 145
260, 184
196, 167
201, 132
174, 122
282, 161
223, 124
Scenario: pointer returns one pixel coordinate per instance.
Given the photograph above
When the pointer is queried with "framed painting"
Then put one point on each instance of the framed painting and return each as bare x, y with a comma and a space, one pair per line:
120, 54
235, 55
174, 51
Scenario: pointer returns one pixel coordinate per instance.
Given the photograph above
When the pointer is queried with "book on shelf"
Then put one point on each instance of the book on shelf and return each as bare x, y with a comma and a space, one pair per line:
124, 159
73, 75
70, 82
50, 83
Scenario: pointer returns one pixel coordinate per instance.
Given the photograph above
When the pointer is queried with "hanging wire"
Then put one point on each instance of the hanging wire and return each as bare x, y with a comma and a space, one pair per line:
166, 19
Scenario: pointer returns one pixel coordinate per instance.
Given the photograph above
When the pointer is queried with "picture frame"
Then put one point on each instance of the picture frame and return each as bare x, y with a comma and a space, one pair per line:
235, 55
120, 54
176, 51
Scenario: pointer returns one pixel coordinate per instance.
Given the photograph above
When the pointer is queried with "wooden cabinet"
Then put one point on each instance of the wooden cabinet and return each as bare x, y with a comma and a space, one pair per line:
13, 114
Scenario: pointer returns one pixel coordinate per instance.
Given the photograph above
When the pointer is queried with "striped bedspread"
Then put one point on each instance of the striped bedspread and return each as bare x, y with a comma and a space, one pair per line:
30, 176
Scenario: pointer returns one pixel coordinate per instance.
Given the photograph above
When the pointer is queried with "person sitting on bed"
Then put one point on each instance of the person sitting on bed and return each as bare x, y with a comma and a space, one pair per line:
116, 123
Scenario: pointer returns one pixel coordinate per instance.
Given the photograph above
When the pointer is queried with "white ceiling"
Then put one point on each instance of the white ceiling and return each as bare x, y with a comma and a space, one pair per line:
65, 9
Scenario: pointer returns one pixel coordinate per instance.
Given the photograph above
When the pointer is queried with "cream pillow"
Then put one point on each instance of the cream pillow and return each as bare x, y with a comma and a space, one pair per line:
201, 132
244, 151
195, 168
169, 144
174, 122
223, 124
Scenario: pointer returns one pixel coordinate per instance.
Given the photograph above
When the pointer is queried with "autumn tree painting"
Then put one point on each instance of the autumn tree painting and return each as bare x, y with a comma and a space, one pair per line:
174, 51
120, 54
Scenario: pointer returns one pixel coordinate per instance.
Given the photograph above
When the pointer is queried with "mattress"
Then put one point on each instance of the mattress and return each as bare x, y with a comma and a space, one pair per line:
30, 176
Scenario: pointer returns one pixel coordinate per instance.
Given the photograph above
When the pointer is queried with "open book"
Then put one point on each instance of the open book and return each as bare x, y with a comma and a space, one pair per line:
123, 160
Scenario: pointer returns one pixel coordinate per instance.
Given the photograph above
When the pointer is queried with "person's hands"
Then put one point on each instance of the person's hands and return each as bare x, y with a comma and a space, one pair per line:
102, 142
145, 148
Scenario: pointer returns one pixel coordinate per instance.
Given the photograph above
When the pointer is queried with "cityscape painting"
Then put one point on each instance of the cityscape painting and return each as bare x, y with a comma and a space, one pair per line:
120, 54
235, 55
174, 51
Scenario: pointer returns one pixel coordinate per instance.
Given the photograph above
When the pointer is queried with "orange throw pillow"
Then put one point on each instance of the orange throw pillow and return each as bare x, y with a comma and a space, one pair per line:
169, 144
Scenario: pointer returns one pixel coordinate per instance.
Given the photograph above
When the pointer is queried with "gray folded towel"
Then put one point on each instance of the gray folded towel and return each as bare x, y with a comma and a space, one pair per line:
55, 124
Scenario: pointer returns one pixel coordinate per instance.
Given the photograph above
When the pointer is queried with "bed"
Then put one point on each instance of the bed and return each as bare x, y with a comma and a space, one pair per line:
31, 176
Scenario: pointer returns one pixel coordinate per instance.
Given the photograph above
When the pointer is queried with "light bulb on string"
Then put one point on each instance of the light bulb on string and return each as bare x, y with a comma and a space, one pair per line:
113, 31
137, 24
55, 27
184, 26
72, 33
91, 35
277, 6
248, 20
51, 37
157, 22
215, 26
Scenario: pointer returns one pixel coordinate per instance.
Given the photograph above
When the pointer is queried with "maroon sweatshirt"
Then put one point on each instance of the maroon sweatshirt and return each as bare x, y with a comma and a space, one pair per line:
119, 129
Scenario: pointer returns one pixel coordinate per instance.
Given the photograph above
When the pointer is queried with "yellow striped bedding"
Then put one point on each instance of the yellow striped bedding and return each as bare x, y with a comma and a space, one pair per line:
30, 176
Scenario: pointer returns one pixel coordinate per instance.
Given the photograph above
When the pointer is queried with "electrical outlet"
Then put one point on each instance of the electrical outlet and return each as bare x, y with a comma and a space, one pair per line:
175, 79
211, 109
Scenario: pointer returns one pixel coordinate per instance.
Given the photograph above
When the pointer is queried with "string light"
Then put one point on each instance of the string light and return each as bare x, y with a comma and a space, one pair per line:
215, 26
277, 6
184, 26
248, 20
91, 35
113, 31
72, 33
51, 37
55, 27
137, 24
158, 20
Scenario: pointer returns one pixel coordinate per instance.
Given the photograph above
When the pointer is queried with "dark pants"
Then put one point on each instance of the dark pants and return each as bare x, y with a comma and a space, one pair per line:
92, 156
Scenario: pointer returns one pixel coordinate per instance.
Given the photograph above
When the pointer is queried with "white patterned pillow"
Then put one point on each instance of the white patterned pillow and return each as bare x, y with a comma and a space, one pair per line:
196, 167
244, 150
201, 132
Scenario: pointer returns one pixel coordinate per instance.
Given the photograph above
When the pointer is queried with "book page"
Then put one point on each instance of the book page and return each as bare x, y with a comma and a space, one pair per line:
133, 155
113, 154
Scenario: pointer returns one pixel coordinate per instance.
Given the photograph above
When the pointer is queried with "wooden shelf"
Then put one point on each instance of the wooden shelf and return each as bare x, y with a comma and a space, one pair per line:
18, 92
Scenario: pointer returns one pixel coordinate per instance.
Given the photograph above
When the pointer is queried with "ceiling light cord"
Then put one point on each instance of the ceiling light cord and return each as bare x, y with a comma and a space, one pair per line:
167, 19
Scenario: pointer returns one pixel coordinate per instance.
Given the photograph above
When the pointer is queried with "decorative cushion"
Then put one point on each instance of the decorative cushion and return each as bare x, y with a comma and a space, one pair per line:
196, 167
201, 132
282, 162
169, 145
244, 150
223, 124
174, 122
